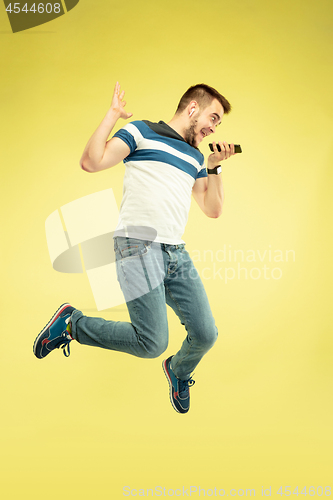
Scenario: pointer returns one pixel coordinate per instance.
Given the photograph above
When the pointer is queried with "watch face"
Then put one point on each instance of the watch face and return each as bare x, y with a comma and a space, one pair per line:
219, 170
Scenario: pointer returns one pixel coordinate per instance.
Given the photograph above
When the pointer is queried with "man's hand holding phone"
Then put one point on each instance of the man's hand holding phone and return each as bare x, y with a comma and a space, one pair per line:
221, 151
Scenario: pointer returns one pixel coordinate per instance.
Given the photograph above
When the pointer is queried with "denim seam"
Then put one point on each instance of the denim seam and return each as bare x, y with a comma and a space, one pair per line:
190, 344
138, 336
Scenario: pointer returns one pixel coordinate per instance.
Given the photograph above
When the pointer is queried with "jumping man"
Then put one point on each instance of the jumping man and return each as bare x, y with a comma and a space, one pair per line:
163, 168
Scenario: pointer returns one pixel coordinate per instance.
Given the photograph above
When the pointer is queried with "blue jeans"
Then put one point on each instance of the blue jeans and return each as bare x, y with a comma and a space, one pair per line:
152, 275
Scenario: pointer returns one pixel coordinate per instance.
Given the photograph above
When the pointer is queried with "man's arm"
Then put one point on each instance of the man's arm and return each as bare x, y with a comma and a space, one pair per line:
208, 191
99, 153
209, 195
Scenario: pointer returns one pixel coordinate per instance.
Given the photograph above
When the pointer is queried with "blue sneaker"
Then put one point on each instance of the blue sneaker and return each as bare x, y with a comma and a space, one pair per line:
55, 335
179, 389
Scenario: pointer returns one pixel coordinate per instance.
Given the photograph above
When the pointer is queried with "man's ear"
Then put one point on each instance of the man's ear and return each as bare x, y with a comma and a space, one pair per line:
192, 107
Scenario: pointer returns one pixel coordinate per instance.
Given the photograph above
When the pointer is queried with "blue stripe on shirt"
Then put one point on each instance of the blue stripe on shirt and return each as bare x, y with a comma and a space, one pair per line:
202, 173
164, 157
181, 146
127, 138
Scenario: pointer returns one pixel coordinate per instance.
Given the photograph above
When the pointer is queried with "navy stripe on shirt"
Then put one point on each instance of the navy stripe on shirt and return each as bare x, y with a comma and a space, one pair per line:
179, 145
164, 157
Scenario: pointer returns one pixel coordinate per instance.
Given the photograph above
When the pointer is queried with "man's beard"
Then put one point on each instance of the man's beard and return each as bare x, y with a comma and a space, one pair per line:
190, 134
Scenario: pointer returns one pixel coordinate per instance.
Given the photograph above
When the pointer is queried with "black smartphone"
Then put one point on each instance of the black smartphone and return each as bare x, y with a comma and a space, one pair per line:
238, 149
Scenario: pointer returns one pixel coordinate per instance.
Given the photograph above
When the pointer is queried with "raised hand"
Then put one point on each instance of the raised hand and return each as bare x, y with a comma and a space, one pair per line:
118, 104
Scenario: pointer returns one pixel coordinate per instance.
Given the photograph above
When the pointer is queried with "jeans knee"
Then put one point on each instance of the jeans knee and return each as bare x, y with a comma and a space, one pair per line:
210, 338
155, 349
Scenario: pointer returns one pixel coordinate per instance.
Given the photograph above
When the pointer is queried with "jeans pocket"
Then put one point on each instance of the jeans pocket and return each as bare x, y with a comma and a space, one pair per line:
131, 248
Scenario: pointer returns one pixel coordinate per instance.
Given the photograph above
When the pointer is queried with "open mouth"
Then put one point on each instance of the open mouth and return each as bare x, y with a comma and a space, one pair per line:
203, 133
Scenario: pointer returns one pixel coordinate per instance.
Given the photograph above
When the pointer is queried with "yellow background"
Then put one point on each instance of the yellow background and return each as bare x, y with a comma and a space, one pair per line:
261, 409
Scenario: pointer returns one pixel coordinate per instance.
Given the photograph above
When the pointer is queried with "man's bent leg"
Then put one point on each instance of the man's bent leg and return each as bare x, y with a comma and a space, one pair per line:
140, 273
146, 336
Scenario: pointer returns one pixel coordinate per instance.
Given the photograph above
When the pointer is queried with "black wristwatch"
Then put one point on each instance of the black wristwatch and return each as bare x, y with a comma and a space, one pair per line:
217, 170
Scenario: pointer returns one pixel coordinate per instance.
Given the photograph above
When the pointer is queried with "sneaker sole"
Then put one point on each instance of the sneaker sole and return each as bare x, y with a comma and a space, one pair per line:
170, 385
54, 317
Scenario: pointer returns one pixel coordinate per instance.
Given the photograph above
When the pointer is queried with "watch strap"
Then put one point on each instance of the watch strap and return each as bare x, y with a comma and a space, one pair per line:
217, 170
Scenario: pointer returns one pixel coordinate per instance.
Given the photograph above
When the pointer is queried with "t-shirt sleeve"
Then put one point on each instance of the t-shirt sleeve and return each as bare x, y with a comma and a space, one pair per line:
202, 172
127, 134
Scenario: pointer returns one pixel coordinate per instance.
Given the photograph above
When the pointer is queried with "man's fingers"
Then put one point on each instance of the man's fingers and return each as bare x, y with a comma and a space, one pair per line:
226, 146
215, 147
223, 150
115, 92
227, 150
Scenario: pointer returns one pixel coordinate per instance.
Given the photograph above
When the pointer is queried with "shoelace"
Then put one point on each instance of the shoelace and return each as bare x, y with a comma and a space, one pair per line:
184, 386
67, 339
65, 344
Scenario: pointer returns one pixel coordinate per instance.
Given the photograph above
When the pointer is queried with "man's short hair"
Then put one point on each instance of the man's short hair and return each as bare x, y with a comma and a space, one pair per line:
203, 94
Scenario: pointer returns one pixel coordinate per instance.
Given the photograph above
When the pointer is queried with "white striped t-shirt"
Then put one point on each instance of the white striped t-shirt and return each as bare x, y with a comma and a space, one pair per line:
160, 172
